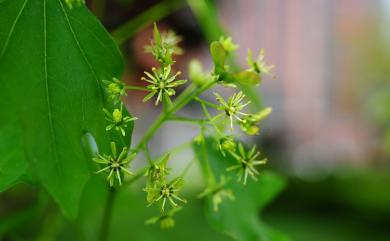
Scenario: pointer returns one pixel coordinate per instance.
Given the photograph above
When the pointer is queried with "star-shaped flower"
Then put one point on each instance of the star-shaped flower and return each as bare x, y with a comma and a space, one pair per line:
247, 162
233, 107
117, 120
166, 192
115, 164
162, 83
259, 65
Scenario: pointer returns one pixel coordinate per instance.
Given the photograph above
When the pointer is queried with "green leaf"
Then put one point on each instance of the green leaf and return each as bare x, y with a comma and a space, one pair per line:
218, 55
239, 218
52, 60
247, 78
12, 162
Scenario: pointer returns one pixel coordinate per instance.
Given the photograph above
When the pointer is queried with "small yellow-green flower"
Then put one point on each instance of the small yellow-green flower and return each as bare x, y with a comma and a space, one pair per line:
228, 44
162, 83
247, 162
164, 46
259, 65
166, 192
117, 121
115, 164
227, 143
115, 88
157, 172
233, 106
249, 124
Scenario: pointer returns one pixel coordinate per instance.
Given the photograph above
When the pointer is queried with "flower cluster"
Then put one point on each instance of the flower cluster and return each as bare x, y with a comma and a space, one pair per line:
118, 120
161, 81
159, 189
233, 109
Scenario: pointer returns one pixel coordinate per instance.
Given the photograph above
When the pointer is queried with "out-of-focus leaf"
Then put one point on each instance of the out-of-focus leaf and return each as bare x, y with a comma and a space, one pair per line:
52, 61
240, 218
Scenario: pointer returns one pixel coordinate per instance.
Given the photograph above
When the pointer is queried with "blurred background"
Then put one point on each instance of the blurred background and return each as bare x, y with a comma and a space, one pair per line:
329, 133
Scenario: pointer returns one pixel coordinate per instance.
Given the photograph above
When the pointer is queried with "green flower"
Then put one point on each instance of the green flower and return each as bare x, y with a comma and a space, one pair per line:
115, 164
233, 107
166, 192
161, 83
228, 44
163, 46
247, 162
218, 193
259, 65
250, 122
226, 143
157, 172
115, 88
166, 219
117, 120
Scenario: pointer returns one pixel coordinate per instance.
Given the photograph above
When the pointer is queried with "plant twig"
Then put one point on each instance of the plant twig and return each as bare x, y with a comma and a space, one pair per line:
188, 95
107, 215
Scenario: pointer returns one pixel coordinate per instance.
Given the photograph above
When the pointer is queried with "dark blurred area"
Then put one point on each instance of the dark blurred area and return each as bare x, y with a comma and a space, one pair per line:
329, 132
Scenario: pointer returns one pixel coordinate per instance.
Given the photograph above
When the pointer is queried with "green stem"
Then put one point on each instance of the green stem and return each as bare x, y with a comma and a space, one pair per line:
136, 176
155, 13
207, 114
131, 87
107, 215
208, 103
147, 154
187, 167
188, 95
208, 173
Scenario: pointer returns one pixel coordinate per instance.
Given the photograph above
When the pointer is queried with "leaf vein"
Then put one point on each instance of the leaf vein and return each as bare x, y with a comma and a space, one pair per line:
12, 30
48, 101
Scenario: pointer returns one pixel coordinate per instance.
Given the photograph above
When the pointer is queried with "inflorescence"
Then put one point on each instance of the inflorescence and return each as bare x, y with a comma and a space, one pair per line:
161, 83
